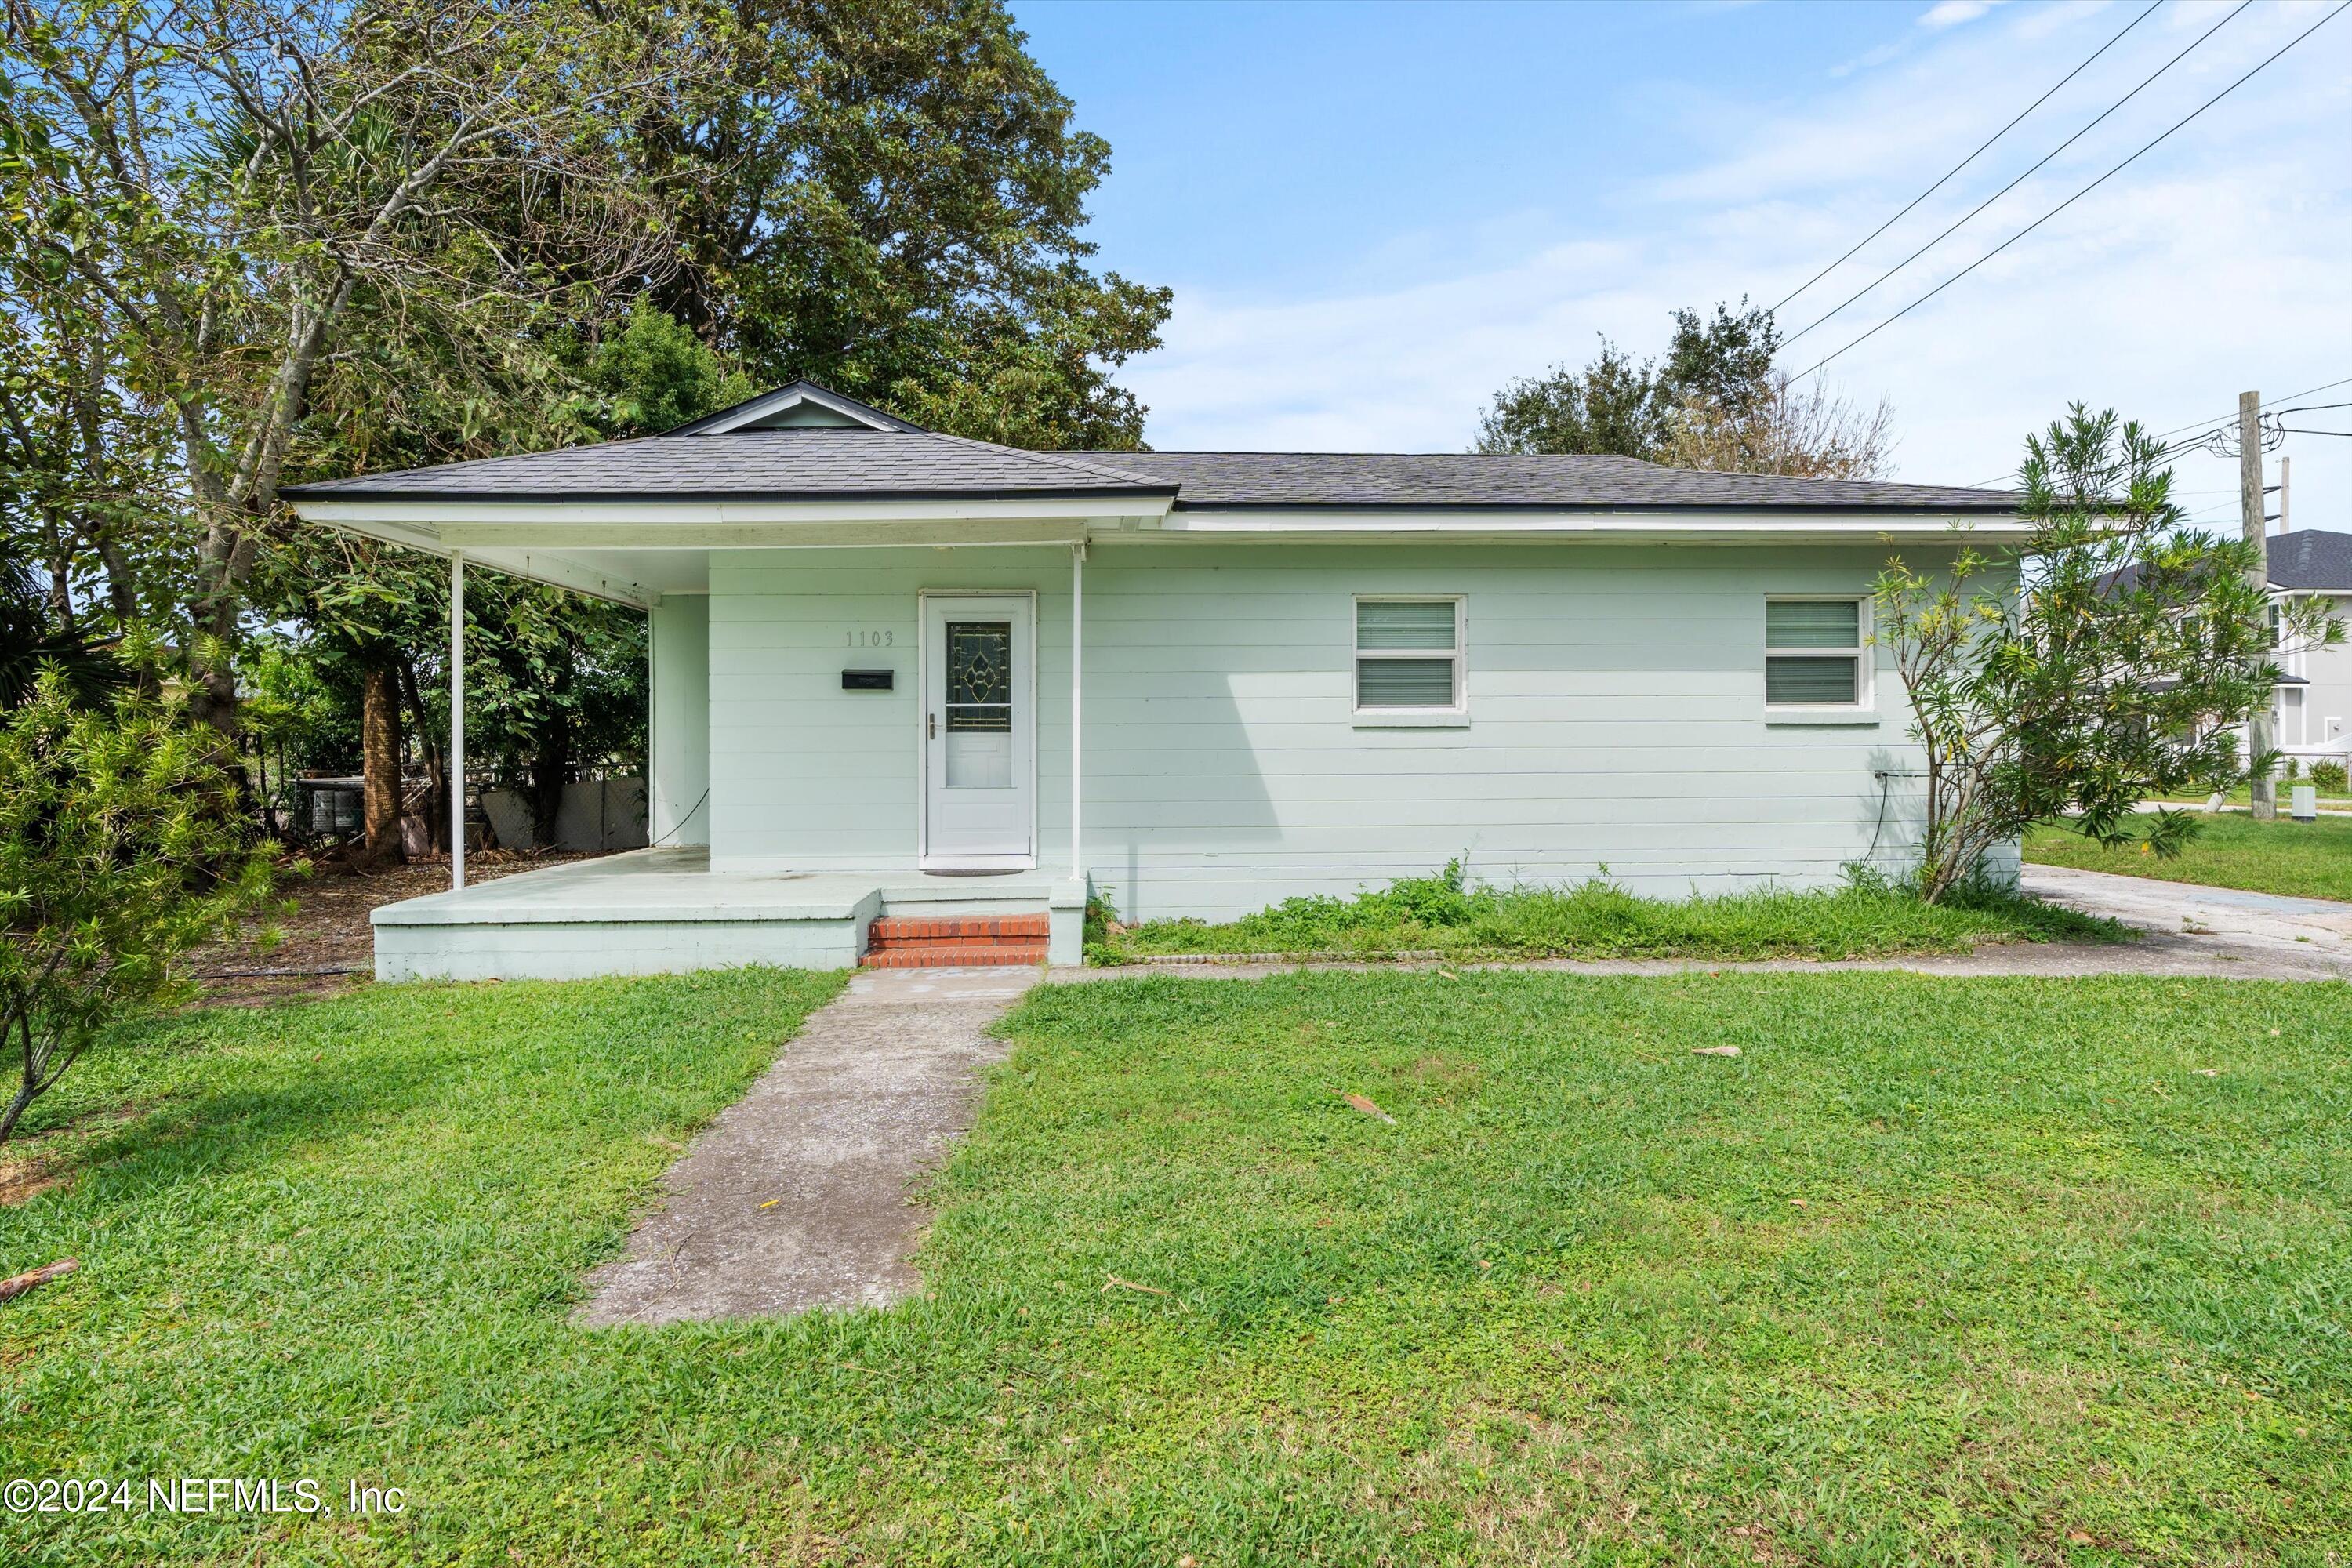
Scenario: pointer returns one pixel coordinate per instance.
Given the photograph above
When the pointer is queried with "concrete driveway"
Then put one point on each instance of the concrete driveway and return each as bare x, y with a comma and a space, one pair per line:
2194, 929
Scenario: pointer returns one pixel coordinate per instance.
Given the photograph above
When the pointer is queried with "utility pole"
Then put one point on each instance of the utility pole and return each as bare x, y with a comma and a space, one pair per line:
2250, 507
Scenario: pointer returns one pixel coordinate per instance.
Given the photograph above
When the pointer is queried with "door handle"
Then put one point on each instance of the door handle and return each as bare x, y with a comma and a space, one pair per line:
931, 727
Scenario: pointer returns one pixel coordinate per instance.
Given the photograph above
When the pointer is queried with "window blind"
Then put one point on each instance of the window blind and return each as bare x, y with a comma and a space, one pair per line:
1404, 683
1831, 678
1812, 622
1392, 624
1408, 653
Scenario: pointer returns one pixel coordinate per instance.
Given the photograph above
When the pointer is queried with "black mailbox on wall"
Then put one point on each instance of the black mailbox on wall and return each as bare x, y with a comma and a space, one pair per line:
865, 679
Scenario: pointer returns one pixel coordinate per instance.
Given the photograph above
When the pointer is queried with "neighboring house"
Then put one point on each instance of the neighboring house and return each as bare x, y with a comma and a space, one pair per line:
899, 673
2313, 707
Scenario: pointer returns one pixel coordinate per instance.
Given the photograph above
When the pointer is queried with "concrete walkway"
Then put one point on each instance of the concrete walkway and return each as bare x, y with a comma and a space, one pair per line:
796, 1196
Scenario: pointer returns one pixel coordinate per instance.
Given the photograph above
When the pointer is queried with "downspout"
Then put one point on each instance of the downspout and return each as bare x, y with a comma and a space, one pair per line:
457, 720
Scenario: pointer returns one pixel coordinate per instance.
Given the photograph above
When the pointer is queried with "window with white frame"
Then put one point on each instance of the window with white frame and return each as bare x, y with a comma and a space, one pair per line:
1409, 655
1813, 653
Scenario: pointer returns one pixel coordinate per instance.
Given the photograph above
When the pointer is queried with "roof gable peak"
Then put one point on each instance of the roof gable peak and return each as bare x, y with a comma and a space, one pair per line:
800, 405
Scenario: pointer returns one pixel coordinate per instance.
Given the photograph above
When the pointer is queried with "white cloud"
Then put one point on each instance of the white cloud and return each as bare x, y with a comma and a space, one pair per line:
1952, 13
2215, 263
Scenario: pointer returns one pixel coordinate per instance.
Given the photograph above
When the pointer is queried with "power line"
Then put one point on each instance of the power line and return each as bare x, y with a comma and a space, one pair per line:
2218, 418
2205, 428
2145, 149
2021, 179
2272, 411
1964, 163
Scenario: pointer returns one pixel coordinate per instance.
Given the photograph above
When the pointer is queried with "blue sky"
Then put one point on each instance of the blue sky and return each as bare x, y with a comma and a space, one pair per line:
1330, 142
1373, 214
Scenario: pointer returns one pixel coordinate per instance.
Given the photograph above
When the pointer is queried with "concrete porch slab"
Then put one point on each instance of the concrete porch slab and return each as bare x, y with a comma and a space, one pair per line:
661, 910
679, 884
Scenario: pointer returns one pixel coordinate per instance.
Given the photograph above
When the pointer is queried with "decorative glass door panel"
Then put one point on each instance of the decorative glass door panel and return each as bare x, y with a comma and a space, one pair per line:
978, 732
979, 713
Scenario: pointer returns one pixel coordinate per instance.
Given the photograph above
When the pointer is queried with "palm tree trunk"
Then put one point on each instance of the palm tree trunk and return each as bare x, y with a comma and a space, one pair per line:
380, 762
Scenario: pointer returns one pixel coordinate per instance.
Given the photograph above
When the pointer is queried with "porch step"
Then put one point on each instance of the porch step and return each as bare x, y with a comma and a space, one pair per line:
950, 957
937, 942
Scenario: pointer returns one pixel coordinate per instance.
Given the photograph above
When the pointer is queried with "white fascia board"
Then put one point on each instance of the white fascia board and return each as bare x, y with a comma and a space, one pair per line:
1631, 527
802, 536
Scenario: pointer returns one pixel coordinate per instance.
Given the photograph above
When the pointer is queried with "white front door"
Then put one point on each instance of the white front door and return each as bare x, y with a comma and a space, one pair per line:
979, 732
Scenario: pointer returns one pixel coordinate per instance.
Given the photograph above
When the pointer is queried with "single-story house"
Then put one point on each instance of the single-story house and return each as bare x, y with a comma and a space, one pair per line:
919, 677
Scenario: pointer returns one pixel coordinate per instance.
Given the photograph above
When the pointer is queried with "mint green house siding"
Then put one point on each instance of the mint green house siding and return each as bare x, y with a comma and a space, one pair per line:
679, 802
1616, 719
902, 674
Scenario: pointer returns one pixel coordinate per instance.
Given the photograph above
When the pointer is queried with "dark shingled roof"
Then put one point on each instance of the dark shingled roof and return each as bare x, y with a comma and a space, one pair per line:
1438, 479
826, 464
745, 465
2310, 558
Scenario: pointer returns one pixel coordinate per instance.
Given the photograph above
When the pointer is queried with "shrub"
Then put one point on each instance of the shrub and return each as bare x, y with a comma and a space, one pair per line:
2108, 657
1601, 919
2328, 776
120, 849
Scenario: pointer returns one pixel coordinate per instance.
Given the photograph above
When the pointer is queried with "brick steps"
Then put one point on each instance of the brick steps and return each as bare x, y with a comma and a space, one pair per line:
942, 941
950, 957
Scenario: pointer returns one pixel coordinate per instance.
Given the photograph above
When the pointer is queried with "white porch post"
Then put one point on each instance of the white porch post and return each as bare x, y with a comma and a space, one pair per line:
457, 780
1066, 941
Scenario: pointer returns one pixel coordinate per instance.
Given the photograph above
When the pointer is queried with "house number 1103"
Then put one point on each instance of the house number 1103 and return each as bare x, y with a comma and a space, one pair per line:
868, 639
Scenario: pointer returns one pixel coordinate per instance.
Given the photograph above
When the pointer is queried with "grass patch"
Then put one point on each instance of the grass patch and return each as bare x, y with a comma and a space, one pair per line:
340, 1240
2301, 859
2243, 794
1599, 919
1961, 1271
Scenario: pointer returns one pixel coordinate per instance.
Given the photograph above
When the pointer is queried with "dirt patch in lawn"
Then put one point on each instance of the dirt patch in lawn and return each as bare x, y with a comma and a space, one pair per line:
326, 944
36, 1163
23, 1178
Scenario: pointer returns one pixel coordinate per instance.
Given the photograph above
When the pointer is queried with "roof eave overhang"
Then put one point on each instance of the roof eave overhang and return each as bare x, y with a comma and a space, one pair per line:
606, 524
532, 538
538, 566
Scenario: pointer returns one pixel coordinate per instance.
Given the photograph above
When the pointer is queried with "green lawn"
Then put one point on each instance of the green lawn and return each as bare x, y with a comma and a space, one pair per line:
2302, 859
2243, 794
1598, 920
1935, 1270
2242, 797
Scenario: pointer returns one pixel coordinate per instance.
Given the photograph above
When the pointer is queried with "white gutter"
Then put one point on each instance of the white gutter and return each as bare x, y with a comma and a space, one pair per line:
1694, 523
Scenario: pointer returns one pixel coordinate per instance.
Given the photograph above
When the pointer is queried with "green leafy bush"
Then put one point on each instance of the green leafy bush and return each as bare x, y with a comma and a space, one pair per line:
120, 849
2328, 776
2105, 660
